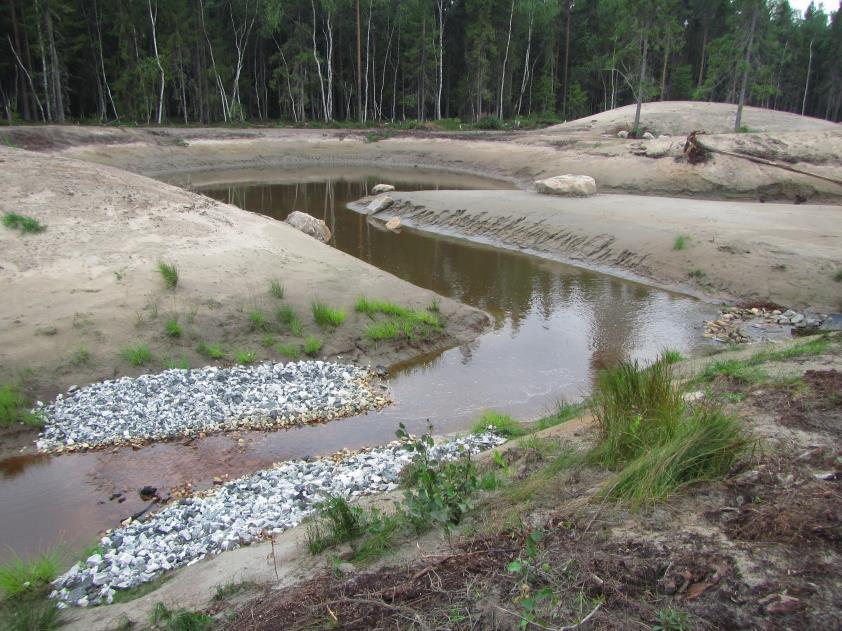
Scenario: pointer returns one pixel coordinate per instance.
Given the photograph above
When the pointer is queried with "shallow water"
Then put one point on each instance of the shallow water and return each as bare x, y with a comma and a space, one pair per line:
554, 326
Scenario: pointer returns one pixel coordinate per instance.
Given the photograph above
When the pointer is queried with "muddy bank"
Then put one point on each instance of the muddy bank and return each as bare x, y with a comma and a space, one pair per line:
87, 288
764, 252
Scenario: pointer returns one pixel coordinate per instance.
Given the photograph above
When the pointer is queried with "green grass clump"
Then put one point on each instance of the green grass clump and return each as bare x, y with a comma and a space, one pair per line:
229, 589
181, 363
30, 615
379, 331
838, 276
696, 273
276, 289
312, 345
290, 351
703, 447
502, 424
179, 620
19, 577
214, 350
257, 320
680, 242
169, 274
14, 407
740, 371
245, 357
139, 355
268, 341
286, 315
26, 225
326, 316
672, 356
634, 409
564, 412
80, 356
172, 328
337, 523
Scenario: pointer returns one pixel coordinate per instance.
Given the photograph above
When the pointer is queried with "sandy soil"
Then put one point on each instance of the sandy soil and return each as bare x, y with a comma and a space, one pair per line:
88, 286
750, 251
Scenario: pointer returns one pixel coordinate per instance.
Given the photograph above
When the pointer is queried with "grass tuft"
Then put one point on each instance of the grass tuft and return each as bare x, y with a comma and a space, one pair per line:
258, 321
229, 589
179, 620
634, 408
672, 356
276, 289
181, 363
169, 274
172, 328
337, 523
681, 242
564, 412
31, 615
26, 225
696, 273
139, 355
502, 424
14, 407
286, 315
402, 320
290, 351
245, 357
326, 316
19, 577
312, 345
838, 276
214, 350
704, 447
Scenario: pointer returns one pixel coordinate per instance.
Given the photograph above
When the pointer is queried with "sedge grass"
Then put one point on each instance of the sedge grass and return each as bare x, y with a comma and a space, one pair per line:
326, 316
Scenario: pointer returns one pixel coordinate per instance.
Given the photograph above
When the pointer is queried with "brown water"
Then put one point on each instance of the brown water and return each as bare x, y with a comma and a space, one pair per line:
554, 326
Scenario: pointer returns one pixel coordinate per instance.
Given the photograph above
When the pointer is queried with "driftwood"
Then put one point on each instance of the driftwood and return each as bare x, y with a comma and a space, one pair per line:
696, 151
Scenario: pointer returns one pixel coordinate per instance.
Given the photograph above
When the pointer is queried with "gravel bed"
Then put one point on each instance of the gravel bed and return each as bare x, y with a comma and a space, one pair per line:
236, 514
178, 403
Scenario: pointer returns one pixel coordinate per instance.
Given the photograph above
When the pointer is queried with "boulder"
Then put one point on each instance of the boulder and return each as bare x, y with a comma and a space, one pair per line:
569, 185
393, 224
622, 134
309, 225
382, 188
379, 203
648, 135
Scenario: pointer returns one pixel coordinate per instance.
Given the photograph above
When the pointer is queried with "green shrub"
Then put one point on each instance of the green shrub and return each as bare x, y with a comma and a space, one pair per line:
488, 123
502, 424
634, 409
14, 407
172, 328
26, 225
312, 345
169, 274
326, 316
139, 355
337, 523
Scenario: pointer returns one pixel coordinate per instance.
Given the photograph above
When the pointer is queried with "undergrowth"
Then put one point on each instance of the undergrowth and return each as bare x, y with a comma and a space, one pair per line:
169, 274
14, 407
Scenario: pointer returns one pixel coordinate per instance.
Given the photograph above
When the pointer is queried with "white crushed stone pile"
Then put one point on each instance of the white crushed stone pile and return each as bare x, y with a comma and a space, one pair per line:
177, 403
236, 514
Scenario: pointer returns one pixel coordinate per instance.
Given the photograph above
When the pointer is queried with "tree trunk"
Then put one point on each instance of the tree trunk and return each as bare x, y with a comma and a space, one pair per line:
566, 62
440, 4
319, 64
359, 67
739, 119
664, 71
20, 83
523, 83
702, 58
152, 17
807, 81
367, 49
641, 80
55, 68
222, 95
505, 60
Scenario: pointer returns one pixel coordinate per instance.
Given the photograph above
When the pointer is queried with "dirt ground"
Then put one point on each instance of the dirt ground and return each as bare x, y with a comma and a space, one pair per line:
87, 287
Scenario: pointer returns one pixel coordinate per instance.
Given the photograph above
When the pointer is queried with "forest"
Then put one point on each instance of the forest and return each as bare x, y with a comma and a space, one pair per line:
376, 61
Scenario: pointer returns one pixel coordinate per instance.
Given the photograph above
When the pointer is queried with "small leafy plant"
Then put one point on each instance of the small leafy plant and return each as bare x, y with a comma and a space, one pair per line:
681, 242
169, 274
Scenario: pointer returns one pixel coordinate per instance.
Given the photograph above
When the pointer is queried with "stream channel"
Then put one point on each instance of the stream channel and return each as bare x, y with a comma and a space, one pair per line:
554, 327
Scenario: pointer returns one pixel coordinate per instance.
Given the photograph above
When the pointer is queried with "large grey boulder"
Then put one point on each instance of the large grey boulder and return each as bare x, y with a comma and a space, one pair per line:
568, 185
309, 225
382, 188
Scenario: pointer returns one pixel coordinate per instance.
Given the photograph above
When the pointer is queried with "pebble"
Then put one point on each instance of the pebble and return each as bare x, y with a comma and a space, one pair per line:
238, 513
179, 403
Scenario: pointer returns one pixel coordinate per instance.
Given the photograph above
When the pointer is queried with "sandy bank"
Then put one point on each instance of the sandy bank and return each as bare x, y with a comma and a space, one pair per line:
773, 252
77, 294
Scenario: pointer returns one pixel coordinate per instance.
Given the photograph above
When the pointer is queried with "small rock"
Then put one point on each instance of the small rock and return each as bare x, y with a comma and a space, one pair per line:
309, 225
393, 224
382, 188
648, 135
622, 134
567, 185
379, 203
